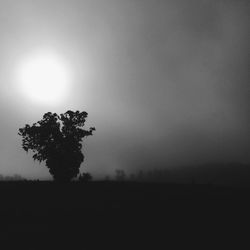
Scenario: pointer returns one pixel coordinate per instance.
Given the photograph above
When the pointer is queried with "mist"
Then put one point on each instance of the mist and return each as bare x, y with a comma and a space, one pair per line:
165, 83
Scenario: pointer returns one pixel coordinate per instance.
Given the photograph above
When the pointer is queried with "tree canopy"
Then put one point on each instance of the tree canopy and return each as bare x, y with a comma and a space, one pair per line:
57, 140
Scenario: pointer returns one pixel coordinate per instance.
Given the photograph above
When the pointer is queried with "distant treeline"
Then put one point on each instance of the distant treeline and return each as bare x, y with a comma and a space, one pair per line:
15, 177
83, 177
233, 174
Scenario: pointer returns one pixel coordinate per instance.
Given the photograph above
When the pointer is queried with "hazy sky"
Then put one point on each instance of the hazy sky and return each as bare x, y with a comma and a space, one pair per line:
165, 83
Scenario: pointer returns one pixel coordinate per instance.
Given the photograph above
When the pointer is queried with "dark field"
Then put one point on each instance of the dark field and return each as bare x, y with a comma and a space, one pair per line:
44, 215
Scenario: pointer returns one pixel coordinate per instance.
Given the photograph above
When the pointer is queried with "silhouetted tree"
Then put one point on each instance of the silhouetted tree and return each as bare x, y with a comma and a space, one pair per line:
56, 139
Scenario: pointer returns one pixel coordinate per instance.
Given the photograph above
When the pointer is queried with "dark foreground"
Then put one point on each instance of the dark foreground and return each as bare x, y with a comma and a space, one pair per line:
105, 215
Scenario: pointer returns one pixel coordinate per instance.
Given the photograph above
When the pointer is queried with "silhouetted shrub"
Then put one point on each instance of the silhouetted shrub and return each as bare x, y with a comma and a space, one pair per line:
120, 175
85, 177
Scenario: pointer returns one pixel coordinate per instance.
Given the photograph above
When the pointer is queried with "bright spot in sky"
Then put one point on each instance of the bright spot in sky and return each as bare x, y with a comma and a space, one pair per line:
44, 78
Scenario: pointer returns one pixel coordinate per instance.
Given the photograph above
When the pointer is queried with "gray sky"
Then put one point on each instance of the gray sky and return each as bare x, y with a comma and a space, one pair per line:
165, 83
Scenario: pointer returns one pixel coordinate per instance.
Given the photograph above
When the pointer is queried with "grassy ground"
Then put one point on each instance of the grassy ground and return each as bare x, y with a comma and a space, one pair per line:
43, 214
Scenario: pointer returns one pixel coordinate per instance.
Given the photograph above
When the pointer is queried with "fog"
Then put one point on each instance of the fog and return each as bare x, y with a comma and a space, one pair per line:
165, 83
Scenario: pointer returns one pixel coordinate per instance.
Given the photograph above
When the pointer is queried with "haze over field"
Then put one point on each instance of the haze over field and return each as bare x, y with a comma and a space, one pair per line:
165, 83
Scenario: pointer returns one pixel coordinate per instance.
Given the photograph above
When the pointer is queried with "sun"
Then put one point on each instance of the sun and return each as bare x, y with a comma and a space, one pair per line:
43, 78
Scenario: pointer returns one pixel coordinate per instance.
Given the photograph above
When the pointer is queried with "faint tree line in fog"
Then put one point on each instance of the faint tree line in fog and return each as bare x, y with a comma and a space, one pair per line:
15, 177
217, 173
156, 175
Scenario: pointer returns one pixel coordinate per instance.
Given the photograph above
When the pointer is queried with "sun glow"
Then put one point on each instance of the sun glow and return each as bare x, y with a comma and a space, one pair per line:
44, 78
